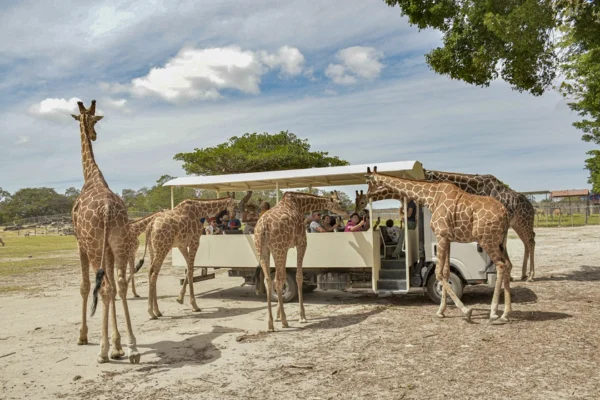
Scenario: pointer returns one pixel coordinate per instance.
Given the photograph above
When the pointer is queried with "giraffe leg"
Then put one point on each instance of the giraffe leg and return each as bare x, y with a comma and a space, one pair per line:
280, 258
531, 259
84, 289
105, 293
184, 253
117, 349
444, 258
301, 249
132, 352
156, 259
445, 244
265, 259
498, 255
190, 273
132, 274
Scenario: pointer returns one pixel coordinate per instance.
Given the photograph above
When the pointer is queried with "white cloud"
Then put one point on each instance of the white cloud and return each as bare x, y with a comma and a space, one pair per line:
203, 73
55, 109
22, 140
289, 59
59, 109
356, 62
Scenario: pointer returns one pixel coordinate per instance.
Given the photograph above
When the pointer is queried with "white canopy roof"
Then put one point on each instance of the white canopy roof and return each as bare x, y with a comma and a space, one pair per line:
299, 178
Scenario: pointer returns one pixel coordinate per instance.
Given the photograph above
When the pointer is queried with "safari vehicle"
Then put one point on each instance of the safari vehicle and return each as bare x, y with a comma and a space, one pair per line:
339, 260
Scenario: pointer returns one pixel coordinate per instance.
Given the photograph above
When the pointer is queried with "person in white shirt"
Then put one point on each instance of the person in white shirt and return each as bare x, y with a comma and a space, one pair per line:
213, 228
315, 225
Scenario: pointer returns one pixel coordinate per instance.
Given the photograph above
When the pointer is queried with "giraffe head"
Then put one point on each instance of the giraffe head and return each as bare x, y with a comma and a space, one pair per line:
334, 204
360, 203
87, 119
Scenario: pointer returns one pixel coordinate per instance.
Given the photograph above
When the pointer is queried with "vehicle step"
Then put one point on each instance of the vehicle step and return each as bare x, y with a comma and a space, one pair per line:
392, 274
393, 264
391, 284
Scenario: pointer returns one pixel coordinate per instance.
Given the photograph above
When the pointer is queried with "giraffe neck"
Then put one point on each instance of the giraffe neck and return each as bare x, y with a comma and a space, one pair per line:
91, 171
471, 184
204, 208
384, 194
138, 226
421, 191
307, 203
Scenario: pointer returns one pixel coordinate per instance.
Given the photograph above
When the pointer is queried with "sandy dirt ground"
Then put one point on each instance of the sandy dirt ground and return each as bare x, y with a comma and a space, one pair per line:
355, 345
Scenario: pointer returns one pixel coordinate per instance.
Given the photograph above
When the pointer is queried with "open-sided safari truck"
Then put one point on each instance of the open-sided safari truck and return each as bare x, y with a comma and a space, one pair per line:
339, 260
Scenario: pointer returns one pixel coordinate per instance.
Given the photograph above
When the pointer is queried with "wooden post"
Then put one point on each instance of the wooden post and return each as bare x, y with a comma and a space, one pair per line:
571, 211
587, 207
172, 200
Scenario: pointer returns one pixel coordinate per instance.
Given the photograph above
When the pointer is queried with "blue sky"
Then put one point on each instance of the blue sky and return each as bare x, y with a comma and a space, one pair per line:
172, 76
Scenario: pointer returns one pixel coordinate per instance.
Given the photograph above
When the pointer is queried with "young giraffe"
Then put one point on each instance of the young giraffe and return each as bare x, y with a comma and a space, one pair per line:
281, 228
135, 229
361, 200
100, 227
457, 216
181, 228
520, 210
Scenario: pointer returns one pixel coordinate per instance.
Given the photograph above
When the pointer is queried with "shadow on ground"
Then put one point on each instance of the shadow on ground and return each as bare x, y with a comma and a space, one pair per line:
194, 350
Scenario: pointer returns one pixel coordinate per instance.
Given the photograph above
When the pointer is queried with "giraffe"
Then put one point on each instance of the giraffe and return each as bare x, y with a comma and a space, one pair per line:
135, 228
179, 227
457, 216
281, 228
520, 210
99, 223
557, 213
361, 200
1, 241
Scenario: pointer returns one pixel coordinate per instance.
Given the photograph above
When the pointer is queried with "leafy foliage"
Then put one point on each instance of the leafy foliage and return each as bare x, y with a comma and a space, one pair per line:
487, 39
254, 152
157, 197
527, 43
592, 164
32, 202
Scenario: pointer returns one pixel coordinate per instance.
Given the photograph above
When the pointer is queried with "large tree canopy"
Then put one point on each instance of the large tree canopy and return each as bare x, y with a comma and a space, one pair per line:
33, 202
256, 152
527, 43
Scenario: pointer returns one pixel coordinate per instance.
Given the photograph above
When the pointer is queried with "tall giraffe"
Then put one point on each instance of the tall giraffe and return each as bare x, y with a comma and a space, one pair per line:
179, 227
520, 210
457, 216
100, 227
281, 228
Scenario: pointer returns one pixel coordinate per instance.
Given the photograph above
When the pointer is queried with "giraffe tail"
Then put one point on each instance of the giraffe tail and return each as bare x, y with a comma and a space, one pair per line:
101, 271
141, 262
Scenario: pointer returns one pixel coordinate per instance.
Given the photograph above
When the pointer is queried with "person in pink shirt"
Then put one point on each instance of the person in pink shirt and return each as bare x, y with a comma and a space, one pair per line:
355, 224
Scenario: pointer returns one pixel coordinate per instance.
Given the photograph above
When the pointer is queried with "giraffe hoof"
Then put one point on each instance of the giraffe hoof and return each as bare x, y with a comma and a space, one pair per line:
136, 295
82, 341
102, 360
158, 314
303, 321
153, 317
134, 358
529, 279
524, 277
468, 315
117, 354
271, 328
196, 309
439, 315
180, 301
285, 325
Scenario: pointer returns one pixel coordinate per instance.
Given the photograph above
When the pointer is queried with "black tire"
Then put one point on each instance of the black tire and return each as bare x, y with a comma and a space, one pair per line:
434, 288
308, 288
290, 288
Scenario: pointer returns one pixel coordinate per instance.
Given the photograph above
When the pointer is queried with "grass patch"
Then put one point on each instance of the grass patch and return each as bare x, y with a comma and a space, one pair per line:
20, 246
26, 266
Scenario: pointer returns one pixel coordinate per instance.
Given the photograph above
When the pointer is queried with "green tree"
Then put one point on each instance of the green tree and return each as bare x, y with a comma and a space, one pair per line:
34, 202
527, 43
72, 193
254, 152
593, 165
159, 196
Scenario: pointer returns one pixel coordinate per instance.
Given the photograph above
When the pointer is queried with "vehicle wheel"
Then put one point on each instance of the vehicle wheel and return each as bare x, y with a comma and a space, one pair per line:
434, 288
290, 288
308, 288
